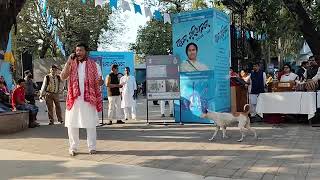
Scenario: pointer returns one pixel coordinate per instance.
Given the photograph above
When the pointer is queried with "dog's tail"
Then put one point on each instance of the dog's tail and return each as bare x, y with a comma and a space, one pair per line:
246, 108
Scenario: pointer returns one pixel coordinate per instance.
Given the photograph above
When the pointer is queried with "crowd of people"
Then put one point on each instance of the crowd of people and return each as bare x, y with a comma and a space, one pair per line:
84, 97
257, 81
122, 94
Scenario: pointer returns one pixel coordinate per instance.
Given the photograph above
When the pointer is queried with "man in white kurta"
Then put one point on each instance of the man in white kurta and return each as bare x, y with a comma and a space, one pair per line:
82, 114
162, 107
127, 93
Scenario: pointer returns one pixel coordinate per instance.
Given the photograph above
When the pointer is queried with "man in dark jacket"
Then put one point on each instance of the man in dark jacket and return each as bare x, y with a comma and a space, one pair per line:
313, 67
258, 81
30, 87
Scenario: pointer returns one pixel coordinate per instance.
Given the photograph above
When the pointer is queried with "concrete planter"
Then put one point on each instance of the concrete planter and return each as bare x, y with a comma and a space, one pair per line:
12, 122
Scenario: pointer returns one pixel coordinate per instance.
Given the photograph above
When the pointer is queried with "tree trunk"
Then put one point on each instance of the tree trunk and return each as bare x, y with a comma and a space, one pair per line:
307, 27
8, 13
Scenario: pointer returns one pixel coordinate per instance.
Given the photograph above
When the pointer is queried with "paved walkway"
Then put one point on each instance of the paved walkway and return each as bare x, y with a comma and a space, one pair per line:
281, 152
21, 165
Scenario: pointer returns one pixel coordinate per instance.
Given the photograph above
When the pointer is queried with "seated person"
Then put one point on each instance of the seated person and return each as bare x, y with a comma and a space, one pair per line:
302, 71
288, 75
4, 99
19, 103
5, 87
317, 76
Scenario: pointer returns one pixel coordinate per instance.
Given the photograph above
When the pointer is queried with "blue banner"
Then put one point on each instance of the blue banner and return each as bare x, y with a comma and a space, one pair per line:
106, 59
201, 39
5, 71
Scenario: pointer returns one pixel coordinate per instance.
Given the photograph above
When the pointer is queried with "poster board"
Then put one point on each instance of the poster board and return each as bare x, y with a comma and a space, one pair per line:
107, 59
201, 39
162, 77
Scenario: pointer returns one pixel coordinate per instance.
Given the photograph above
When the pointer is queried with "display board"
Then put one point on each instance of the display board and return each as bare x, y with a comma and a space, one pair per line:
162, 77
201, 39
107, 59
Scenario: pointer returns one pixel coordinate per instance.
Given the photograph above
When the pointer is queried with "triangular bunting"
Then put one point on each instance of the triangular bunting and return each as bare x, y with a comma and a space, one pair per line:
98, 3
157, 15
166, 18
114, 3
137, 8
125, 6
147, 12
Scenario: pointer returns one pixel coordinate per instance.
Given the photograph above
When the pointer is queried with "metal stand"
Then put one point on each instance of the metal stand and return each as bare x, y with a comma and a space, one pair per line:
102, 114
163, 123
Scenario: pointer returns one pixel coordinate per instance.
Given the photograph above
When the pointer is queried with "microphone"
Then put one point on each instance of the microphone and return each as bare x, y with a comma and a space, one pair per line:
73, 56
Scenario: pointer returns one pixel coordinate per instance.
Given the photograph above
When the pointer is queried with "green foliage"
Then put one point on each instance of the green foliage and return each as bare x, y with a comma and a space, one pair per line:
76, 22
79, 22
153, 39
199, 4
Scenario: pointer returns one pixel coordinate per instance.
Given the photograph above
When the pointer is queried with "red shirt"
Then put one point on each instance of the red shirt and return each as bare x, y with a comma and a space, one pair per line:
18, 93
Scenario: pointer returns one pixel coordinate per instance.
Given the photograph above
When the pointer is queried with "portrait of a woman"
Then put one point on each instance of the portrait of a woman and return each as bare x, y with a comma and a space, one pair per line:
192, 63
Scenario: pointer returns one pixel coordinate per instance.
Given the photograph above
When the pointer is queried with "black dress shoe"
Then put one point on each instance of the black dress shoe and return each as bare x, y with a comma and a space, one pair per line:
109, 123
171, 115
162, 115
92, 152
32, 126
51, 123
120, 122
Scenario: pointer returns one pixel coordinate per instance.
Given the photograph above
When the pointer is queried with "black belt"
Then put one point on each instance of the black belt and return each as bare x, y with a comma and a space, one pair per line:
52, 92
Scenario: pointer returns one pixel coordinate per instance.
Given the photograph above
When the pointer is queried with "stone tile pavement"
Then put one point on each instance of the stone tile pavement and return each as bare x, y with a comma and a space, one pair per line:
281, 152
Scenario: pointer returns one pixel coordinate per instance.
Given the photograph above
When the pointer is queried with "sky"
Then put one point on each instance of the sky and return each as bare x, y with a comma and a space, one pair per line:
132, 22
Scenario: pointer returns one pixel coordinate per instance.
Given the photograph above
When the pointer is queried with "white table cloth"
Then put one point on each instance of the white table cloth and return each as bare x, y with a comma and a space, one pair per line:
288, 103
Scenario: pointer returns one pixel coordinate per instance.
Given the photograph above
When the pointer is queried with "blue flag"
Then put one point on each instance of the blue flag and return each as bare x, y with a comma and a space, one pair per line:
137, 8
114, 3
157, 15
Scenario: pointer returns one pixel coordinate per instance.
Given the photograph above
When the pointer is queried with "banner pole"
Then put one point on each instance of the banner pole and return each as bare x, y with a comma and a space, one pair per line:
147, 111
180, 112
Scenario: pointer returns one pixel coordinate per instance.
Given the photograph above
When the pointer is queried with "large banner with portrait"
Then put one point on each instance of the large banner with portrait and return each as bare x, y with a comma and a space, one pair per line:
201, 39
106, 59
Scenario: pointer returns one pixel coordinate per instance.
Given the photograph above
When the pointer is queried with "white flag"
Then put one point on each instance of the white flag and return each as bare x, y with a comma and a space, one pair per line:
125, 6
166, 18
98, 2
147, 12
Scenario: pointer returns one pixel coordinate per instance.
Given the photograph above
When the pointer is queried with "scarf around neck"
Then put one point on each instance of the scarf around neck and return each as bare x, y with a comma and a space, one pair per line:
92, 91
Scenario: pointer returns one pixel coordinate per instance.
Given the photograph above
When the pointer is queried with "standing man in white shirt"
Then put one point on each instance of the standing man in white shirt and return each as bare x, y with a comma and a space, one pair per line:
128, 94
162, 108
84, 99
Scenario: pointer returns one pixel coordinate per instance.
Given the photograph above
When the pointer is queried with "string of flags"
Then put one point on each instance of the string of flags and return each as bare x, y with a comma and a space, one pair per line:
114, 4
125, 6
251, 34
51, 24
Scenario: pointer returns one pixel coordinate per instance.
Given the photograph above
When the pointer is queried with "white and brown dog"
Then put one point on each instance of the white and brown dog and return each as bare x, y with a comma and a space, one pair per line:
225, 119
